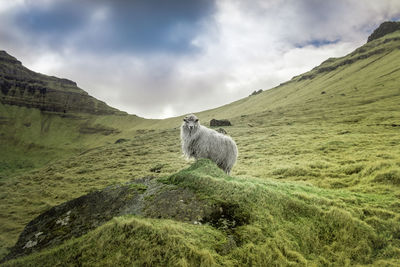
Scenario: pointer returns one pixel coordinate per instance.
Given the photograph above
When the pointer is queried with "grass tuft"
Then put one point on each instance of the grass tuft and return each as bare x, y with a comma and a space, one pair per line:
388, 177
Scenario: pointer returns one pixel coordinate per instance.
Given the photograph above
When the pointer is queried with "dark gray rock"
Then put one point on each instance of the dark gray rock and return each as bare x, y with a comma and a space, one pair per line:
121, 140
221, 130
256, 92
384, 29
157, 168
214, 123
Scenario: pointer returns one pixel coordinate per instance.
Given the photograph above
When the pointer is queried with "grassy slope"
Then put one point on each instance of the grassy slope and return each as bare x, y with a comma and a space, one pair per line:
280, 223
341, 141
32, 138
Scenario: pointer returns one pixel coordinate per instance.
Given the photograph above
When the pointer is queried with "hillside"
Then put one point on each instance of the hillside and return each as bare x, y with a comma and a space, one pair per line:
44, 117
361, 80
318, 172
23, 87
219, 221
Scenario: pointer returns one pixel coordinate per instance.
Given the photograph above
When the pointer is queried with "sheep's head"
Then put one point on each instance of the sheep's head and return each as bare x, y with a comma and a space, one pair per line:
191, 122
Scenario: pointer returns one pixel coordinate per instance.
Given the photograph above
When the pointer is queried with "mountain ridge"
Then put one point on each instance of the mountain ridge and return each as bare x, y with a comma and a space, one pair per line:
74, 99
384, 29
313, 86
22, 87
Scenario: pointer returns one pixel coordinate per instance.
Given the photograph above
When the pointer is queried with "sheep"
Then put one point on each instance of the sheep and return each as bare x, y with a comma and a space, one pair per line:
201, 142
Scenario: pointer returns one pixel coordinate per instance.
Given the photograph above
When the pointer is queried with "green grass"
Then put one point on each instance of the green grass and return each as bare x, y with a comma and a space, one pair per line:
318, 173
135, 241
265, 223
31, 138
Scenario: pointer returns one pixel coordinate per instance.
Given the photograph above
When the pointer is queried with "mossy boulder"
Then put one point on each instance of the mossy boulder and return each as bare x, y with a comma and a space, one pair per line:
147, 197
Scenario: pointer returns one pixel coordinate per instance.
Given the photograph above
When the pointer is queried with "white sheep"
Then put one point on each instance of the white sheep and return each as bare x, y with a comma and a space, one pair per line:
201, 142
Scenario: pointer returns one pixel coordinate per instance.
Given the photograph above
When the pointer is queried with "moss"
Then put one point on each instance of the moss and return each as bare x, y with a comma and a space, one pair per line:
227, 216
134, 241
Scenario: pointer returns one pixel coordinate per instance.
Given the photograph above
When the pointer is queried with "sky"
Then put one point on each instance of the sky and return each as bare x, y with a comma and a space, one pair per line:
163, 58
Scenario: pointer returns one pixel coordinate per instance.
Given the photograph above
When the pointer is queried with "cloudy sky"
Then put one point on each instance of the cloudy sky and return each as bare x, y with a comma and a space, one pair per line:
162, 58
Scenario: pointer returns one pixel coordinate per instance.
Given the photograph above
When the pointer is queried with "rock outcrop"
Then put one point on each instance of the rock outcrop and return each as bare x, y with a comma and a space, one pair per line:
256, 92
22, 87
146, 197
384, 29
221, 130
366, 51
214, 123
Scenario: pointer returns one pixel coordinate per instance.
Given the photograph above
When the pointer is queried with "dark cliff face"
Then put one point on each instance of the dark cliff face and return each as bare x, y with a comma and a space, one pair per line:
22, 87
383, 29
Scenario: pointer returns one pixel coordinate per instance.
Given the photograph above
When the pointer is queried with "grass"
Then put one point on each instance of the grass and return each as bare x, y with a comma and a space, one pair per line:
135, 241
265, 222
318, 173
32, 138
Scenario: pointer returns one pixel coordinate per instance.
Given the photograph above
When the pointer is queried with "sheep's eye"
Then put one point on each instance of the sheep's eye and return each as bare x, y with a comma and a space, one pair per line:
196, 120
185, 120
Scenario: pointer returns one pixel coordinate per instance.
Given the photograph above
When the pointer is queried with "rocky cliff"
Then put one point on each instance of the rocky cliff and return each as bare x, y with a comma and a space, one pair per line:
22, 87
384, 29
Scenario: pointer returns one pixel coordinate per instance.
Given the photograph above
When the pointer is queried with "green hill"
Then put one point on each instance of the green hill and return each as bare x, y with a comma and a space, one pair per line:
318, 173
44, 117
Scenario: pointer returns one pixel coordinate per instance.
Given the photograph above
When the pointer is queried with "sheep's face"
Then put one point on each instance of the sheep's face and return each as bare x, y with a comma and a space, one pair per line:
191, 122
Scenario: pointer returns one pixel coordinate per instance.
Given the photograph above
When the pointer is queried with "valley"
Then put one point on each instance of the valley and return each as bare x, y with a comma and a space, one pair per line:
317, 154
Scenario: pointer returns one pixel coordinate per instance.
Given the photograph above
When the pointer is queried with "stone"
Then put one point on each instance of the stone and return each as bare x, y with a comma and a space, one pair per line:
146, 197
384, 29
224, 122
256, 92
221, 130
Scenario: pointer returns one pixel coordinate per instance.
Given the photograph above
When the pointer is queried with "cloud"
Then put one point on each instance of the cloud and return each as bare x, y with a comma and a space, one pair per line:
167, 58
141, 26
